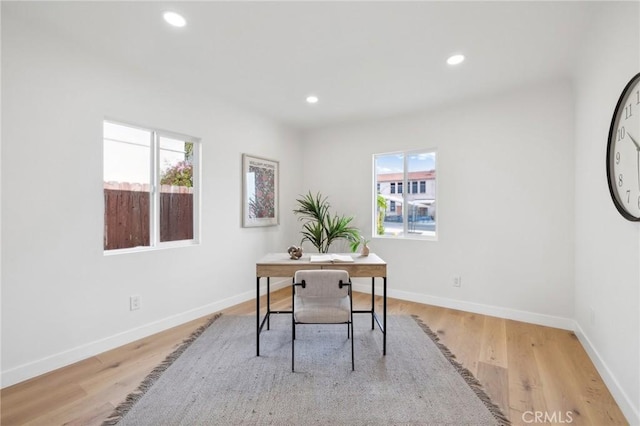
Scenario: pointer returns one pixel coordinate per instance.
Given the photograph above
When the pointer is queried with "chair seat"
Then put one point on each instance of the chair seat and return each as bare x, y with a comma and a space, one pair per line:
321, 296
323, 310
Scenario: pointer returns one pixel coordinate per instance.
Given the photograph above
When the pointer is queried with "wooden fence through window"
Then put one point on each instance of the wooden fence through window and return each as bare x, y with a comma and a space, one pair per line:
126, 215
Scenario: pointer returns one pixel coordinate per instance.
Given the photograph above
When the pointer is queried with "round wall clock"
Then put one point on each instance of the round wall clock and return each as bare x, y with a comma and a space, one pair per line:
623, 152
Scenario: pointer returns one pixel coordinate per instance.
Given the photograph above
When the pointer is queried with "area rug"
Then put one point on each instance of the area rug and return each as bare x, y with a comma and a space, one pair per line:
216, 378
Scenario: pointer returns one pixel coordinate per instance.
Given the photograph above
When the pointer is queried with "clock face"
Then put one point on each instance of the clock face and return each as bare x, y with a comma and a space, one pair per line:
623, 152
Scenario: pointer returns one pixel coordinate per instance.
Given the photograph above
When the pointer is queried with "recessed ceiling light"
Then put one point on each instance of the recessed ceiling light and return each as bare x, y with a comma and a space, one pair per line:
312, 99
455, 59
174, 19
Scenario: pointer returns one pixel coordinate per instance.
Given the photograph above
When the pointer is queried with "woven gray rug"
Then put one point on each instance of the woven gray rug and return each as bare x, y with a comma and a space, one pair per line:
215, 378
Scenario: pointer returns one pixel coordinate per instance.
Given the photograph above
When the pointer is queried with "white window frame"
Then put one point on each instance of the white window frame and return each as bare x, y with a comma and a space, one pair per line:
404, 194
154, 193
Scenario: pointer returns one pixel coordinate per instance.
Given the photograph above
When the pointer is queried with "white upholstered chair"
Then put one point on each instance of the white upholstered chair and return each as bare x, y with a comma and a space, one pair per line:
322, 297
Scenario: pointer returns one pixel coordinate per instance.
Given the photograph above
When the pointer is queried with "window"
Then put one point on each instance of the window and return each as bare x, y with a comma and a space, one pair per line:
150, 184
411, 214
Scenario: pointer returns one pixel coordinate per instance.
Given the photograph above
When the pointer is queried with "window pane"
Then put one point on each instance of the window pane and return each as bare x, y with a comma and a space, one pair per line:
421, 211
126, 176
148, 187
389, 169
176, 189
405, 210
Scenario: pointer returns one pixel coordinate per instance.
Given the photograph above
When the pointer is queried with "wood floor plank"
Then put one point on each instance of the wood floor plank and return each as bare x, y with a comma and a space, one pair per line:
523, 367
465, 346
468, 345
85, 411
561, 393
30, 408
563, 360
525, 386
495, 381
493, 348
16, 394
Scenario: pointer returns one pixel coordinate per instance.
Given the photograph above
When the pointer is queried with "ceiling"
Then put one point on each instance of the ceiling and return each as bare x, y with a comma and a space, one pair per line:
362, 59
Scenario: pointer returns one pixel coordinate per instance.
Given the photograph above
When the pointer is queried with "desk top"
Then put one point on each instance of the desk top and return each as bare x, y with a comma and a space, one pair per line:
281, 265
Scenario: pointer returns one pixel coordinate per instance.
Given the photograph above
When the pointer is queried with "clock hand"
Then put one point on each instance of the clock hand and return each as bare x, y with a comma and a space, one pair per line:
634, 142
638, 156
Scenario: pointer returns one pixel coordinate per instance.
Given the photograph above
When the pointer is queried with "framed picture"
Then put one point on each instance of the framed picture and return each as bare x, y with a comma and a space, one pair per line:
259, 191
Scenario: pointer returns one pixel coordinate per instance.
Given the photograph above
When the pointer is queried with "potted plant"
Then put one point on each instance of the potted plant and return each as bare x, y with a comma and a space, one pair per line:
356, 243
320, 227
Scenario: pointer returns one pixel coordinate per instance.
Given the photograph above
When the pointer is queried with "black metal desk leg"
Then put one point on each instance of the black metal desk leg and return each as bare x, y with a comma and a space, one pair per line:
384, 316
373, 301
268, 301
257, 316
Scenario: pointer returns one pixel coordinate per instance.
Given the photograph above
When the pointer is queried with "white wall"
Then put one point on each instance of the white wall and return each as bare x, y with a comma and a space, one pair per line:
62, 299
607, 252
506, 208
505, 200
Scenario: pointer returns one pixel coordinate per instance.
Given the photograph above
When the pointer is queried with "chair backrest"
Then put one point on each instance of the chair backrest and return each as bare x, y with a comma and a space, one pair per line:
322, 283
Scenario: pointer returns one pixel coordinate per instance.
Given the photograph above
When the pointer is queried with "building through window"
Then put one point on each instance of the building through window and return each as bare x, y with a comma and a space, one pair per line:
411, 213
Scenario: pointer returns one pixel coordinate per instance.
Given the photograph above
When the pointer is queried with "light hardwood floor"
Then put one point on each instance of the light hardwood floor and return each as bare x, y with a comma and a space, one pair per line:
524, 368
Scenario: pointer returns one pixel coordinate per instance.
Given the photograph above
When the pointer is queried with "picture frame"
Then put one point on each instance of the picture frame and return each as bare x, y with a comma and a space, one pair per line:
260, 191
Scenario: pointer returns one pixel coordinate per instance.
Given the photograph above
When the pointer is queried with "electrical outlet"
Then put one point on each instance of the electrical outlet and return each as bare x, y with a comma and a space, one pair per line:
134, 303
457, 281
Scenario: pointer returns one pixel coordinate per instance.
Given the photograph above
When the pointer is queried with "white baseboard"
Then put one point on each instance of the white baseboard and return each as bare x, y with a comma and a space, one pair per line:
478, 308
53, 362
62, 359
622, 399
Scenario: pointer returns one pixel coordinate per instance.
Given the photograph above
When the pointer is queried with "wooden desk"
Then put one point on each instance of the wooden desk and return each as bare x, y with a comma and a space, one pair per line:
280, 265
